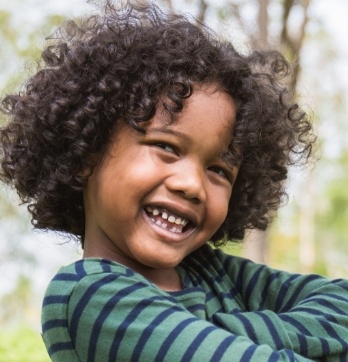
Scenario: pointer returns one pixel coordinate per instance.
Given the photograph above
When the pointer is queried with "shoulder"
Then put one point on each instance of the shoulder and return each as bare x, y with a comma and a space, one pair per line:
88, 276
84, 292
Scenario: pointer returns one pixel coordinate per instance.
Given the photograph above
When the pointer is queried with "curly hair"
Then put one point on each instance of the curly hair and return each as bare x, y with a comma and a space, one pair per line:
116, 66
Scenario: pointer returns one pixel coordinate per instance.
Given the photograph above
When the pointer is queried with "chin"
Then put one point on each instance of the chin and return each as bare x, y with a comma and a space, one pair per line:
164, 264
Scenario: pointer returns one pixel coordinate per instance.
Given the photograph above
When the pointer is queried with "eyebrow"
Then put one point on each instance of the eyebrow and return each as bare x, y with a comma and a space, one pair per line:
223, 156
170, 132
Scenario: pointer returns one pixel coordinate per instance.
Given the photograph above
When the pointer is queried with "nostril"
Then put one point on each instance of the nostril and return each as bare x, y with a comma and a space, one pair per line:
188, 182
193, 197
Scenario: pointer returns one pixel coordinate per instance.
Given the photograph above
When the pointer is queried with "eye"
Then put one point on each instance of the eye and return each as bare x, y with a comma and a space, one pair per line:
166, 147
221, 172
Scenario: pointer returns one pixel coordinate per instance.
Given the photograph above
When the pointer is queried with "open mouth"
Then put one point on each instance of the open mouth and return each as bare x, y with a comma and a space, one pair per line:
168, 220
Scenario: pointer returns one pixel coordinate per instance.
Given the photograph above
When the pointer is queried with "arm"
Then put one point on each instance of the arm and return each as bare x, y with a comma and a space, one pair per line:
305, 313
116, 318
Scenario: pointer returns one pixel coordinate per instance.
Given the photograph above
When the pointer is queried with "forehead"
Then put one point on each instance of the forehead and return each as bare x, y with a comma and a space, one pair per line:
208, 114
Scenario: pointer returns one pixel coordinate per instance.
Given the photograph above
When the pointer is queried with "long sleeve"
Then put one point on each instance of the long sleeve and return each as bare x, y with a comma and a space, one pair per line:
120, 316
305, 313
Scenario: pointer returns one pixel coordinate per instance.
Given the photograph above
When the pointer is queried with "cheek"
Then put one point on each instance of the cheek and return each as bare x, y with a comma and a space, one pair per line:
219, 208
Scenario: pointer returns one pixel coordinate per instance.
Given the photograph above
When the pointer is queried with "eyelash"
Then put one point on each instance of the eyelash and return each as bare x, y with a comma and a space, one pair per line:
217, 170
171, 149
165, 147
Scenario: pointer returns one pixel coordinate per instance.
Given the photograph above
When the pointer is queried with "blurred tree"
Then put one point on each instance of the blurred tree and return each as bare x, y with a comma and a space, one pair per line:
286, 30
15, 304
332, 216
290, 40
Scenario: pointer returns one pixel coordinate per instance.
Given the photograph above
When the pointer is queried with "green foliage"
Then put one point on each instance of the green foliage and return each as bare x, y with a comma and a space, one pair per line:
15, 304
22, 344
332, 225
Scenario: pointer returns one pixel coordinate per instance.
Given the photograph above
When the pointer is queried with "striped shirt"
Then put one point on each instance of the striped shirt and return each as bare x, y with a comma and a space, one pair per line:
230, 309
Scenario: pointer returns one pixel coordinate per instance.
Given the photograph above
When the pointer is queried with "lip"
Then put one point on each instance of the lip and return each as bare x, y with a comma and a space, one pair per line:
167, 235
177, 209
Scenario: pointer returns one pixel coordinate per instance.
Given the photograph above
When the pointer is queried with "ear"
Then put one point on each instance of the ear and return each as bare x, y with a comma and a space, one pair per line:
85, 172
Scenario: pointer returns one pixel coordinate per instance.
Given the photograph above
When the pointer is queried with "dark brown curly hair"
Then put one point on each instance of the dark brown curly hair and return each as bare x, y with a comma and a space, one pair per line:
117, 66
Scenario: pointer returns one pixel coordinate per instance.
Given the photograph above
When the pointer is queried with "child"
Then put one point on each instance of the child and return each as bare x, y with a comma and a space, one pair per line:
146, 137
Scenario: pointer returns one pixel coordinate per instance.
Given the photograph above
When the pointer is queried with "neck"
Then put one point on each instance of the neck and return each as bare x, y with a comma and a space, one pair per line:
165, 279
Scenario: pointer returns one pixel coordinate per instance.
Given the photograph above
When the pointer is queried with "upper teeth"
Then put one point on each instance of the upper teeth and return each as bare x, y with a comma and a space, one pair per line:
165, 214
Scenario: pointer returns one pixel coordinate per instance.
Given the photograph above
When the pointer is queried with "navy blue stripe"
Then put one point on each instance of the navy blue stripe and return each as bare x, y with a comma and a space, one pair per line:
240, 278
54, 323
212, 316
324, 346
197, 280
295, 323
215, 278
274, 357
300, 336
248, 354
223, 272
265, 290
220, 295
66, 277
314, 312
172, 337
195, 344
220, 351
80, 268
328, 295
332, 333
233, 292
276, 338
195, 307
282, 292
210, 295
80, 306
340, 283
296, 292
122, 328
106, 267
58, 347
247, 326
303, 343
221, 310
226, 295
55, 299
327, 304
109, 262
252, 282
129, 272
291, 355
105, 312
149, 329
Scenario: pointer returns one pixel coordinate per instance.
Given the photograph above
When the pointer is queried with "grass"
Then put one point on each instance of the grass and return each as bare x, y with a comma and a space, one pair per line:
22, 344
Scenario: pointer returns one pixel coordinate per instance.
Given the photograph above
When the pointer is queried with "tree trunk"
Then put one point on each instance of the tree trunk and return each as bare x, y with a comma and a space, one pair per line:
256, 246
263, 23
306, 227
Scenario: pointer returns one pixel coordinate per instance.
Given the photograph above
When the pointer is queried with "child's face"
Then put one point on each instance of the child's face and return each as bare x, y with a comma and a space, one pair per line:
159, 196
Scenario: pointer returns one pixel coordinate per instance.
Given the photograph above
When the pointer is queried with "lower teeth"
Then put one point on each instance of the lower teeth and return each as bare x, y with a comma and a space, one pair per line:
165, 226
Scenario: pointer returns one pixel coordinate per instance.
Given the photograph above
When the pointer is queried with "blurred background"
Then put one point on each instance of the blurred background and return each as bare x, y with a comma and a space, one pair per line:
310, 233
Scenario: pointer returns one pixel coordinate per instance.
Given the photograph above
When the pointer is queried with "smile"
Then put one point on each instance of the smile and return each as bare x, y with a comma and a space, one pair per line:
166, 219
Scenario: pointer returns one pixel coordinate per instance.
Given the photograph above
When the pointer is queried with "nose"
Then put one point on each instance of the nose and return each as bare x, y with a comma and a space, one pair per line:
188, 180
